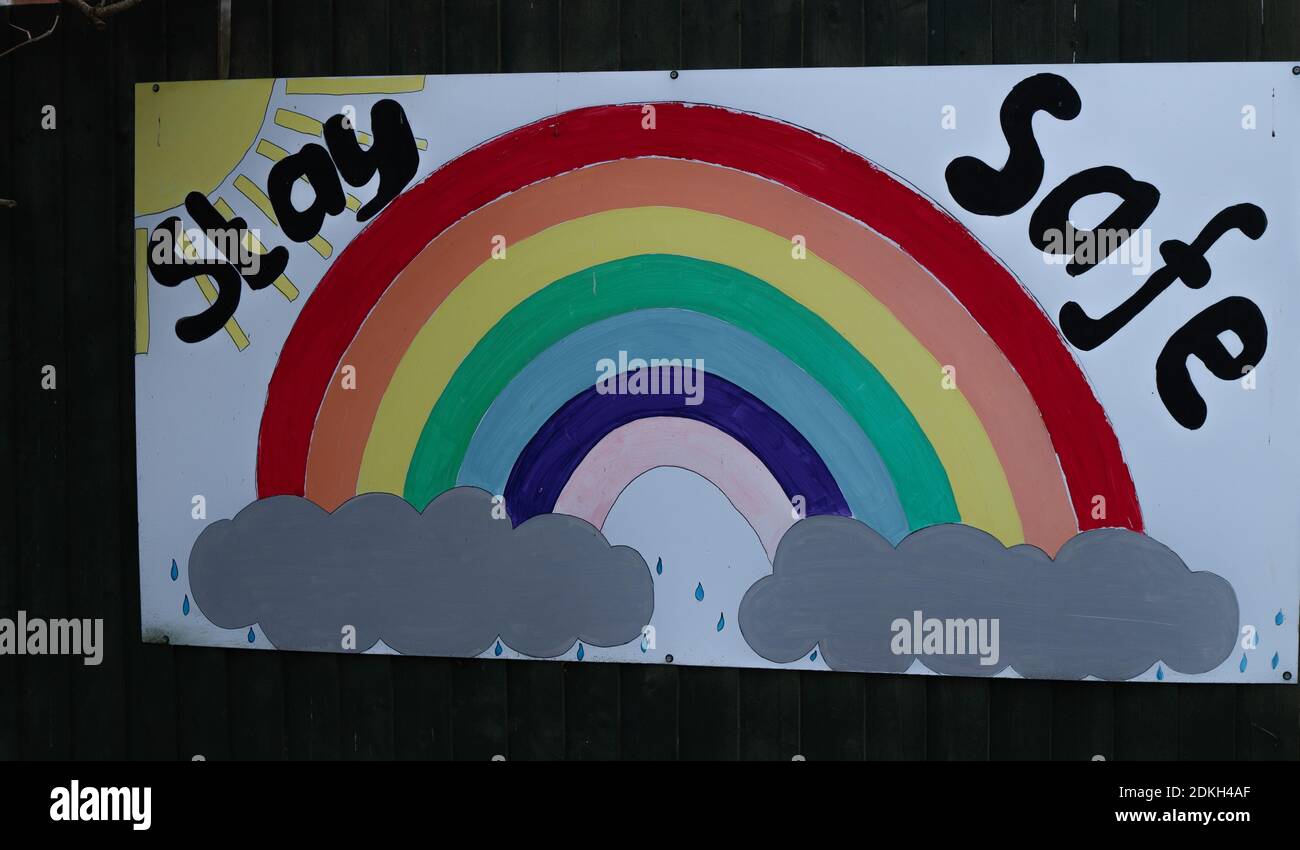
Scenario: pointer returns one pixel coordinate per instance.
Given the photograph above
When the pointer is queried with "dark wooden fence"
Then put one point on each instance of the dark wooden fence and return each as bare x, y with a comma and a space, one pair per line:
67, 457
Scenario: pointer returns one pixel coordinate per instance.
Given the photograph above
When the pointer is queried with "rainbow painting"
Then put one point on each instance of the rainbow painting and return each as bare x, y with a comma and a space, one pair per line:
782, 369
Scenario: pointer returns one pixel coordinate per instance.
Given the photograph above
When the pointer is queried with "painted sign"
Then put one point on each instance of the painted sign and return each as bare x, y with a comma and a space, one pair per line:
974, 371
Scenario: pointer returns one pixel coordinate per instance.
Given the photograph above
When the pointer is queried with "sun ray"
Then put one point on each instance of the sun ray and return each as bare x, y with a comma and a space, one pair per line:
309, 126
141, 291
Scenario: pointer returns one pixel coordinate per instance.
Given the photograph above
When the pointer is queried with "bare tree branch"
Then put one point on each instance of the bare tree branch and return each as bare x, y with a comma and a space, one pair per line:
30, 38
98, 14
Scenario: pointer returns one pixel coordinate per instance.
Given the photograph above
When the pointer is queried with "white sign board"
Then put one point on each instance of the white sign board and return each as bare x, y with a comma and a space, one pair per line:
976, 371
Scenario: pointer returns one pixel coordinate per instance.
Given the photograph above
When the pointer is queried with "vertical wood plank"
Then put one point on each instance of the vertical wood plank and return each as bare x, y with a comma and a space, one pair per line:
1146, 727
530, 35
360, 38
895, 32
303, 45
415, 36
1223, 30
834, 33
1020, 720
1097, 30
422, 708
708, 714
536, 710
311, 706
1207, 722
1169, 31
1137, 22
771, 34
895, 718
957, 719
1281, 30
471, 37
250, 39
90, 387
769, 715
936, 22
1268, 723
1024, 31
366, 706
479, 706
968, 32
38, 186
649, 35
1083, 721
832, 716
591, 710
648, 716
912, 26
710, 33
589, 35
10, 486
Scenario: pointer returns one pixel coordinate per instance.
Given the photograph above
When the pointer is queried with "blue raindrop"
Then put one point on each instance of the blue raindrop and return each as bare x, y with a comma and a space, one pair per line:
252, 636
185, 606
659, 567
645, 643
175, 572
722, 621
580, 652
1242, 665
1160, 673
497, 650
813, 657
1279, 618
699, 592
1275, 660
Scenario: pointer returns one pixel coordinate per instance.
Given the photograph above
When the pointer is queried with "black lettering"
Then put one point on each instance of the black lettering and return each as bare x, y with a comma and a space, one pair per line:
314, 163
984, 190
392, 153
1199, 338
226, 276
1182, 262
1053, 215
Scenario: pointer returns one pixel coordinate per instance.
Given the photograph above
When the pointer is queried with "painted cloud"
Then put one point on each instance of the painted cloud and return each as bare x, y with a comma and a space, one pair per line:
447, 581
1111, 604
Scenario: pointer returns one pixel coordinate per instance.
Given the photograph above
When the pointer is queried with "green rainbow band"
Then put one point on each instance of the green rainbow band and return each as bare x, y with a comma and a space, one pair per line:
666, 281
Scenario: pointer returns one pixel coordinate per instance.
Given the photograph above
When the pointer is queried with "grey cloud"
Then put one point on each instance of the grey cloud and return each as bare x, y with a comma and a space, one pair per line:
447, 581
1111, 604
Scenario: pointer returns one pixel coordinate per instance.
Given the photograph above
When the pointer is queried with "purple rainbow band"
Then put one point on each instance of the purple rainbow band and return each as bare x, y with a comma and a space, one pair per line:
554, 452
